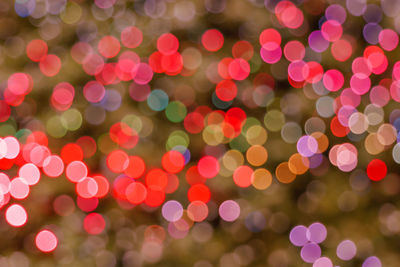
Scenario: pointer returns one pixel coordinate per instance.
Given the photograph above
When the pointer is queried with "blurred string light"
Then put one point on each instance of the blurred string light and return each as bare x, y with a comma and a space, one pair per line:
222, 124
310, 239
